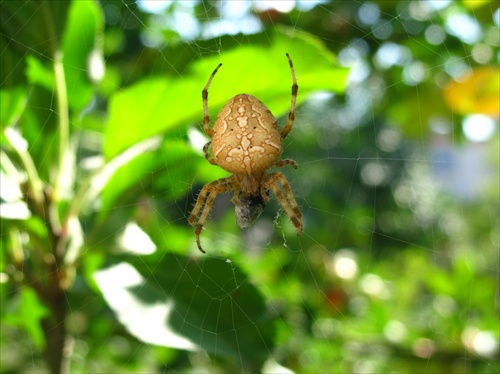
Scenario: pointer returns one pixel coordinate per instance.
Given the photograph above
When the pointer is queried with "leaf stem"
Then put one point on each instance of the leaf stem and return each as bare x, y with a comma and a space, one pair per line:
20, 146
17, 246
62, 109
95, 183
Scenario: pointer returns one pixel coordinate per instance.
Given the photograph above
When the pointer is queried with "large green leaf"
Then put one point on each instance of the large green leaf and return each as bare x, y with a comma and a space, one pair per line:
160, 104
199, 303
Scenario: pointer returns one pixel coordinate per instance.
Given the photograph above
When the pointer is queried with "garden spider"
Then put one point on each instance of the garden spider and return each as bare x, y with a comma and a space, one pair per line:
246, 141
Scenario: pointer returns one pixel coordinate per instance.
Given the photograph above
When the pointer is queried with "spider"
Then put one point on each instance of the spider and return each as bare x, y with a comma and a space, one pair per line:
246, 141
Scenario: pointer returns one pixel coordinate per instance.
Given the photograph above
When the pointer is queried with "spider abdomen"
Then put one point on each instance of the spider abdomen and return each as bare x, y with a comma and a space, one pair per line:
247, 139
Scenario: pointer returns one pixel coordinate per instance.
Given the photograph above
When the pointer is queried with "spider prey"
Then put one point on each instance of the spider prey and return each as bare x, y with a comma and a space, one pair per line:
246, 141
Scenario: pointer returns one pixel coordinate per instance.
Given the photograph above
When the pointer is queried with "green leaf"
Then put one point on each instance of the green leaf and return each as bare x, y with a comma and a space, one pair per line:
29, 314
146, 109
38, 73
81, 38
187, 303
12, 104
33, 27
161, 104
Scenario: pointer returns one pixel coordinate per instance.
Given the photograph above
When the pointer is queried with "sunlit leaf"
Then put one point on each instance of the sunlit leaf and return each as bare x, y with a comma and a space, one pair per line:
474, 4
14, 210
10, 180
133, 241
201, 303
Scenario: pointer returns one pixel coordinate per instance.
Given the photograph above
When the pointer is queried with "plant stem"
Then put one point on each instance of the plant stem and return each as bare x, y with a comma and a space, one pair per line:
55, 333
54, 293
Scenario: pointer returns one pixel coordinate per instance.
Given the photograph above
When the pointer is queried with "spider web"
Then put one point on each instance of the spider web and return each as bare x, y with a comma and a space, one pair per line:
388, 210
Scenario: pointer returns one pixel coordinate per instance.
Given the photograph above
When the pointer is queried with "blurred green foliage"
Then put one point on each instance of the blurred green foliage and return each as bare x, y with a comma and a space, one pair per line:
397, 268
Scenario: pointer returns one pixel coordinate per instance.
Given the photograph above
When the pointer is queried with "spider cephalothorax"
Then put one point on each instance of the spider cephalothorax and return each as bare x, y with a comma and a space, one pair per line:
246, 141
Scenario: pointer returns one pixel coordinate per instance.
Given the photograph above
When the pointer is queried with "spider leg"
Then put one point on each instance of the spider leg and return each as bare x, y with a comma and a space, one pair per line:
291, 113
287, 161
204, 95
202, 196
204, 203
208, 156
287, 200
197, 233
